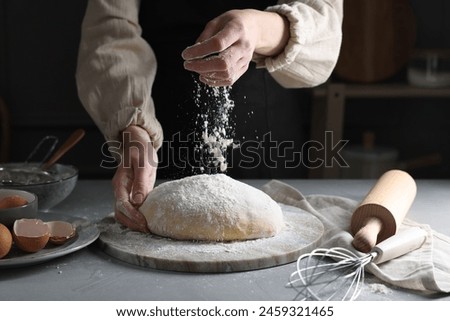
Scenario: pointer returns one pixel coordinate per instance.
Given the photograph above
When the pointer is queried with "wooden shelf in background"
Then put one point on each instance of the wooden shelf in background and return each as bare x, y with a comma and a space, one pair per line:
384, 91
329, 108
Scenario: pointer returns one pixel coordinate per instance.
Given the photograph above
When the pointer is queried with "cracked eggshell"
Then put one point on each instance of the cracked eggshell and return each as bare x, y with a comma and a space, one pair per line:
30, 235
5, 241
60, 232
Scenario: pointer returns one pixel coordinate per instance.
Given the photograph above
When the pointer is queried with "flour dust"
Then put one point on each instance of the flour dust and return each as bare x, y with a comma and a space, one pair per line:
216, 128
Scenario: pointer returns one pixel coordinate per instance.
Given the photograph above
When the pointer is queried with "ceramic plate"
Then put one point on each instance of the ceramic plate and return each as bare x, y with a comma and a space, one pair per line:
87, 233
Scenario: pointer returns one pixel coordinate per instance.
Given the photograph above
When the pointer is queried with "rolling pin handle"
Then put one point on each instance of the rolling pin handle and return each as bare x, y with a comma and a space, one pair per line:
366, 238
382, 210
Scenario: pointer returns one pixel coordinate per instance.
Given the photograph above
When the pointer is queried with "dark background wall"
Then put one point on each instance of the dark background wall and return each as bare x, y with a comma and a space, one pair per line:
38, 48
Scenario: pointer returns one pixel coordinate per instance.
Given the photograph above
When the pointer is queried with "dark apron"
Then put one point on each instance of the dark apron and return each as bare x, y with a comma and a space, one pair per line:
268, 118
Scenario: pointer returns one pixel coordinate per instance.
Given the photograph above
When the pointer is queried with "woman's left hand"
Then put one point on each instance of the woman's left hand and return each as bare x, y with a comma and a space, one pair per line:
134, 178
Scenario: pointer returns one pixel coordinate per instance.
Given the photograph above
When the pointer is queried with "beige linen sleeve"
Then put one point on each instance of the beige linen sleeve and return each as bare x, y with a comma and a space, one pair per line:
313, 48
116, 69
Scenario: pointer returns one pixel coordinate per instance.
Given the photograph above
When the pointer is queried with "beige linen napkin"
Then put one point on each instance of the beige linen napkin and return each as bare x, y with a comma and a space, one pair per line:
426, 269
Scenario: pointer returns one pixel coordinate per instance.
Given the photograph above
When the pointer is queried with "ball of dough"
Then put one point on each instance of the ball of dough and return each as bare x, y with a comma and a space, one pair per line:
211, 208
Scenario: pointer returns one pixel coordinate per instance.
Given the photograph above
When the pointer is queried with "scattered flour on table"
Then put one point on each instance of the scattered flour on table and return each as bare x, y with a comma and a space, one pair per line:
379, 288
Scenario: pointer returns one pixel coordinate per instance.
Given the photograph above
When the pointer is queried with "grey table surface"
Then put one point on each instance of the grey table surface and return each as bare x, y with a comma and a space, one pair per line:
90, 274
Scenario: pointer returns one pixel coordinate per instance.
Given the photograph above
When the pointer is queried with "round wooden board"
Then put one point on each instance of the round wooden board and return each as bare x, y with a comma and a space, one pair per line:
378, 39
300, 235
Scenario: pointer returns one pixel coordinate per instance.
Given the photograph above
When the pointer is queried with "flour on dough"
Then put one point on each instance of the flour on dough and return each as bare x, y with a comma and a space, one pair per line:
211, 208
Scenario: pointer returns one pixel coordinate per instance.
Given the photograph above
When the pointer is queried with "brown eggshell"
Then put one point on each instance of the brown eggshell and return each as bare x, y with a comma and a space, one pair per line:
60, 232
5, 241
30, 235
12, 201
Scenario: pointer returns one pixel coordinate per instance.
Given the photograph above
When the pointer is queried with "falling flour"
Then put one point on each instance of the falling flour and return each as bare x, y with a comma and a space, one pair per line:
217, 129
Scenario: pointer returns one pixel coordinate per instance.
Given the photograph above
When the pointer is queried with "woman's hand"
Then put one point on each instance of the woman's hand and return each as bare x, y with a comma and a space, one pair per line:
134, 178
226, 46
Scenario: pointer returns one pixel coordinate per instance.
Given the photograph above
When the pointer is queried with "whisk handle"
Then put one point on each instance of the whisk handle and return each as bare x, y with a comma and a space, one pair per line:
401, 243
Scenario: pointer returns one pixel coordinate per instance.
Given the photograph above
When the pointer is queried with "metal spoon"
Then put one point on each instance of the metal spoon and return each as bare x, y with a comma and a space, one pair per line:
73, 139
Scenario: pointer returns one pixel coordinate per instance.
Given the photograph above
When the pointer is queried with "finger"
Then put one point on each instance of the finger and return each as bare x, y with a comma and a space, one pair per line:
132, 213
144, 179
231, 59
129, 215
220, 79
216, 82
225, 75
209, 64
121, 185
213, 45
124, 220
126, 208
141, 185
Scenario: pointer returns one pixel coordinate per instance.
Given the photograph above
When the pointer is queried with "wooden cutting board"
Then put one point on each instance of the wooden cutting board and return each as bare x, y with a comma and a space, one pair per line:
301, 235
378, 39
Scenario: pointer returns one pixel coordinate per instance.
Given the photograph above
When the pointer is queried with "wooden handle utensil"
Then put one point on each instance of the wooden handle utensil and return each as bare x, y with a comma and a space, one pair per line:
382, 210
73, 139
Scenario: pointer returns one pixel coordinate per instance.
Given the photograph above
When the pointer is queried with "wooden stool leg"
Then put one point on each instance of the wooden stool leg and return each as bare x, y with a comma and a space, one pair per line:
327, 123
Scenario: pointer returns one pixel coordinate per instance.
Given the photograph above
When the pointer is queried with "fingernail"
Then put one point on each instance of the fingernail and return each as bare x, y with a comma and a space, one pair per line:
138, 198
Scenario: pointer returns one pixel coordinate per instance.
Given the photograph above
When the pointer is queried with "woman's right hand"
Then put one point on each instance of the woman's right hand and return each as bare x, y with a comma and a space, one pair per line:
225, 48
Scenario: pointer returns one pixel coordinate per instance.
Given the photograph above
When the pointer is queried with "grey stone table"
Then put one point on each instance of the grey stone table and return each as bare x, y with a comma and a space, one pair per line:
90, 274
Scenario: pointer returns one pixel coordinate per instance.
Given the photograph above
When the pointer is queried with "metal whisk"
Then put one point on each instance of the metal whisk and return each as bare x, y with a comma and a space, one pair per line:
338, 274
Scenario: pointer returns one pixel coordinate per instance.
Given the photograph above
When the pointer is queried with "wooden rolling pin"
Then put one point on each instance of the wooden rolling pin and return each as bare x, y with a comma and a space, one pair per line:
383, 209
